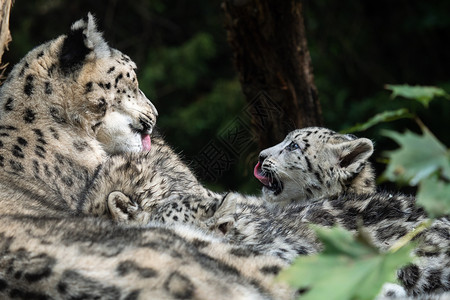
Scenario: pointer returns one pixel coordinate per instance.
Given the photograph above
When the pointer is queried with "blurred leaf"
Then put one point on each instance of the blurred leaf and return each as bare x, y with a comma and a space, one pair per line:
386, 116
347, 268
423, 94
417, 158
434, 196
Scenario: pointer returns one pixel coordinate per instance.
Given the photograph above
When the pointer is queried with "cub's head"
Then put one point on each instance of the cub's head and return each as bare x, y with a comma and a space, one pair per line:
315, 162
78, 83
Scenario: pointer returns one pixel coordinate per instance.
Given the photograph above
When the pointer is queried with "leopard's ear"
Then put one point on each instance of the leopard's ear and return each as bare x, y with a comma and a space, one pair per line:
83, 42
353, 155
121, 207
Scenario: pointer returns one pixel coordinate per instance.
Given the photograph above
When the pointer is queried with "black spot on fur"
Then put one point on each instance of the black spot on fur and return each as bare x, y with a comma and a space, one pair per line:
50, 70
80, 146
390, 231
29, 87
409, 276
22, 71
76, 286
241, 252
321, 217
48, 88
22, 141
179, 286
7, 127
38, 132
40, 151
271, 270
88, 87
1, 144
200, 243
29, 116
128, 266
36, 166
1, 161
54, 133
40, 54
319, 179
9, 105
42, 268
16, 166
22, 294
67, 181
120, 76
111, 69
433, 281
17, 152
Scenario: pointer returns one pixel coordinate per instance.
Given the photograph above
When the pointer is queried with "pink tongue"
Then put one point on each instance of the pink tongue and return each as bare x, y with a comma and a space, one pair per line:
257, 173
146, 142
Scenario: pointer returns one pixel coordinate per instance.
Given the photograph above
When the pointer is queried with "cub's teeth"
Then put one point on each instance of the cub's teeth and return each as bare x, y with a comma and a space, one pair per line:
270, 184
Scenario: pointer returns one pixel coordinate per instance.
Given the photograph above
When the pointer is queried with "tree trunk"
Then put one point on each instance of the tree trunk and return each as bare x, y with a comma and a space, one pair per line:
275, 70
5, 35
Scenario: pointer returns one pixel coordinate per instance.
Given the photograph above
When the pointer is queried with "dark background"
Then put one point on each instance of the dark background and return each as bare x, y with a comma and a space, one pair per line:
185, 66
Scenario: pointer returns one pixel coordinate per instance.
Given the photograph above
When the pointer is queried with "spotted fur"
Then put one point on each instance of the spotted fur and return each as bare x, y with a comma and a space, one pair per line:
261, 225
64, 109
155, 186
314, 162
284, 231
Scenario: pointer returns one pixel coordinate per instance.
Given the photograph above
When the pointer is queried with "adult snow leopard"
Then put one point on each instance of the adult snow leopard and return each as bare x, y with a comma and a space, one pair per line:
64, 109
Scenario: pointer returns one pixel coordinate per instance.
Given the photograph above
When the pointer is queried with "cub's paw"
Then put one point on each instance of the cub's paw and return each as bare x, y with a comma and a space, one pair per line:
124, 210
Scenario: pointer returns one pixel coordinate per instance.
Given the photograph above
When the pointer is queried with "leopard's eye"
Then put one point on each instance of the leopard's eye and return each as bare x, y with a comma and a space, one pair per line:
292, 146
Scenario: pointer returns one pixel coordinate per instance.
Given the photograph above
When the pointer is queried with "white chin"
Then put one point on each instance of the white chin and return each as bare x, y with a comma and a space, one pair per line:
124, 145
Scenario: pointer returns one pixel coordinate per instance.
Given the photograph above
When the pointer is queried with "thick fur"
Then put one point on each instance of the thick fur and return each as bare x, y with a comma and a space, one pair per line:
157, 186
64, 109
263, 226
314, 162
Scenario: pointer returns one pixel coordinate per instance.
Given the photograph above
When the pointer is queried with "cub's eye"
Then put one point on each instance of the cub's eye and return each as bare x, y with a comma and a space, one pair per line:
292, 146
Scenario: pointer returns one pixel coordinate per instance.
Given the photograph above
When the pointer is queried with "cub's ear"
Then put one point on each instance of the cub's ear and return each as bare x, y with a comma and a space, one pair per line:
353, 155
121, 207
83, 42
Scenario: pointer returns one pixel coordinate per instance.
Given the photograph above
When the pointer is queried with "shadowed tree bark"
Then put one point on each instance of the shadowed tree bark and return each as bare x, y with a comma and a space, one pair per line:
275, 70
5, 35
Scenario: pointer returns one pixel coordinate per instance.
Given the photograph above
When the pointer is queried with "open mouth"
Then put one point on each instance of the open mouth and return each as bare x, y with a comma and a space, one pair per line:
268, 179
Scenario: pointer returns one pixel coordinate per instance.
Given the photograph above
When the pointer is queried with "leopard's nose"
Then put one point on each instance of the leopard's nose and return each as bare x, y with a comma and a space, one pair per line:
262, 157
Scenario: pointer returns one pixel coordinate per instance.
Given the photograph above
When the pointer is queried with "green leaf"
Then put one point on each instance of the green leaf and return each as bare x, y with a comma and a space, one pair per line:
417, 158
422, 94
348, 268
386, 116
434, 196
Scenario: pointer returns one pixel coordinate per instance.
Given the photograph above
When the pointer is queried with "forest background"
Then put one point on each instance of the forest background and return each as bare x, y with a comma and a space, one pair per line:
185, 67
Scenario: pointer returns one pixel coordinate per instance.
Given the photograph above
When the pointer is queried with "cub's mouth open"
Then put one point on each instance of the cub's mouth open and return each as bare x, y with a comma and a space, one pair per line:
268, 179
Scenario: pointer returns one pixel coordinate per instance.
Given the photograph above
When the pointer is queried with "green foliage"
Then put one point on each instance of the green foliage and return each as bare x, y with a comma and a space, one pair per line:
422, 94
419, 156
386, 116
348, 268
